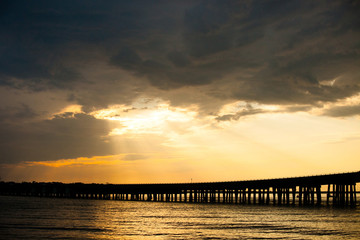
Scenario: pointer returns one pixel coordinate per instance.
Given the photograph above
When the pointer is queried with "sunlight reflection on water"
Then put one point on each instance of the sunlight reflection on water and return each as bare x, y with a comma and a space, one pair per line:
44, 218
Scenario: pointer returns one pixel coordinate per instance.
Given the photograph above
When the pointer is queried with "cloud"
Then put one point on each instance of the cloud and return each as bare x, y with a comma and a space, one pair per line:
298, 108
127, 58
178, 59
63, 137
17, 114
134, 157
343, 111
246, 111
226, 51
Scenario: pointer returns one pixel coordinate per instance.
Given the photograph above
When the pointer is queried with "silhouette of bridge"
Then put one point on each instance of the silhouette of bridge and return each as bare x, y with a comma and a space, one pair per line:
335, 189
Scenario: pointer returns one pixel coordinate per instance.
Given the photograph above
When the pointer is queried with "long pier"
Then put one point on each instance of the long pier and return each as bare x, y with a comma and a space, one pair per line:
331, 189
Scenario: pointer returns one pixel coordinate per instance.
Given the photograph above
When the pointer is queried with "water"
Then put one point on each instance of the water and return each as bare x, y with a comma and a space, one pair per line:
46, 218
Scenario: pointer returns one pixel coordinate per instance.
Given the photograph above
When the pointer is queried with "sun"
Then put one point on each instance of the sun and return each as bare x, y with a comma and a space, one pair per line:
153, 118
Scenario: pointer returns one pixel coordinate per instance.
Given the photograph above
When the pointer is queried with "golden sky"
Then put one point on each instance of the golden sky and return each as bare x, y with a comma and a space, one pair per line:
171, 144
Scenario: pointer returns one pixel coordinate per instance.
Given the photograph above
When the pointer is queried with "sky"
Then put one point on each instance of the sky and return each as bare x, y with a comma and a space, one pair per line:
178, 91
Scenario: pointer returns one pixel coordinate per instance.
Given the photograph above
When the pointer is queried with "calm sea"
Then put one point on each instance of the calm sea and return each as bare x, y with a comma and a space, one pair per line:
46, 218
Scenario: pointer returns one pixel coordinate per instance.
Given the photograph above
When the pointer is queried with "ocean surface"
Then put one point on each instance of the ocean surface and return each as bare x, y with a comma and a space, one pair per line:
48, 218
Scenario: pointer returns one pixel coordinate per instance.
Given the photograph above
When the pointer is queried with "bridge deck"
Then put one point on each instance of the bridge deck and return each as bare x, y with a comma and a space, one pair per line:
340, 190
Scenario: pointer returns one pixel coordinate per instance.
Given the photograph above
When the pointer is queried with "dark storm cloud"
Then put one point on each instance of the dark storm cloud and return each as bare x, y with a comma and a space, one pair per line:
343, 111
17, 114
274, 51
39, 39
65, 136
265, 51
178, 59
33, 35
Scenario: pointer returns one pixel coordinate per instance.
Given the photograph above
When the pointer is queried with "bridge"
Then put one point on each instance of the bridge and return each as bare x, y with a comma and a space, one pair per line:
330, 189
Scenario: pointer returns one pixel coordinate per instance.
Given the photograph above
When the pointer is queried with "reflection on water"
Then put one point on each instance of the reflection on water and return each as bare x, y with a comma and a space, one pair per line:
44, 218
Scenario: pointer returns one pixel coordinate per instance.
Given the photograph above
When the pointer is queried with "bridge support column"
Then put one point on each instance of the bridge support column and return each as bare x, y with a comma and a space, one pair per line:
228, 195
318, 195
279, 193
293, 191
274, 195
300, 195
261, 196
249, 195
254, 201
306, 196
352, 194
328, 194
241, 196
355, 192
287, 196
342, 194
312, 189
267, 196
335, 194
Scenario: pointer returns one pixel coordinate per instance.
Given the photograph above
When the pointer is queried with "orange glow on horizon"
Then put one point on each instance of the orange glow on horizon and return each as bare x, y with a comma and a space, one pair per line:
168, 144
